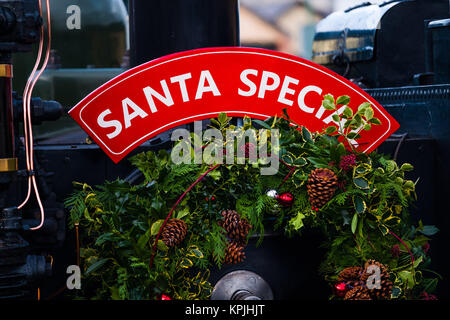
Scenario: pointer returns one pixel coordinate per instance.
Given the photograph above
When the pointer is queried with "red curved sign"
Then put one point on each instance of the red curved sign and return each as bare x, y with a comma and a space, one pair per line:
199, 84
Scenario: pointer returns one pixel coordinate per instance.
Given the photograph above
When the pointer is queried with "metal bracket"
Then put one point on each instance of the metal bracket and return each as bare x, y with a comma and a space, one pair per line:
8, 165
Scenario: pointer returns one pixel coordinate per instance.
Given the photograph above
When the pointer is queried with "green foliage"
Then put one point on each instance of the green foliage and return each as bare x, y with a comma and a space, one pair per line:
119, 222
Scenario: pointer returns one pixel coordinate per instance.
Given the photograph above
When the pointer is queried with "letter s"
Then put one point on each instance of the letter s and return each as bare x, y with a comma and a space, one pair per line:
109, 124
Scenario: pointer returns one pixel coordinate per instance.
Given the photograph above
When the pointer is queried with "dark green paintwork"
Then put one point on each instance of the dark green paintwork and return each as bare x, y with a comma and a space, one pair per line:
101, 41
89, 56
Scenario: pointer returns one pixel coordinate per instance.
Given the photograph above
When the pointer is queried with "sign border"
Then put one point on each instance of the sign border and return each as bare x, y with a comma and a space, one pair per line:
207, 51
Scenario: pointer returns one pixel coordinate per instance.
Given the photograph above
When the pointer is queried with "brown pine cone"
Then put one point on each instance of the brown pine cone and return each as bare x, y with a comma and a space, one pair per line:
350, 274
237, 228
366, 274
174, 232
234, 253
321, 186
384, 293
385, 290
358, 293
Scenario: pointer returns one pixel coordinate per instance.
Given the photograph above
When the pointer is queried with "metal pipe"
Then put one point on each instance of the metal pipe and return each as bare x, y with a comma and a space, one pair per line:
161, 27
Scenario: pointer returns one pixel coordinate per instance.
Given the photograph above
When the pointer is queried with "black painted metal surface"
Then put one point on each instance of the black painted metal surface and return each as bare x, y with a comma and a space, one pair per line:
388, 53
161, 27
440, 48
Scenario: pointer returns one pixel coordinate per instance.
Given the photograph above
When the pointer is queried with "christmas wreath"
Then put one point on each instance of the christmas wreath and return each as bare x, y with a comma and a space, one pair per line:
159, 238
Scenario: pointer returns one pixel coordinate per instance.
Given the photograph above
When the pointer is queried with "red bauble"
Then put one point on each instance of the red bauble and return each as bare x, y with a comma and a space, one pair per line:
340, 289
286, 199
164, 297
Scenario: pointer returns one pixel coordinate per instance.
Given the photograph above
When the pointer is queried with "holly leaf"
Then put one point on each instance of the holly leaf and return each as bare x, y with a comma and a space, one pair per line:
363, 106
368, 113
330, 129
156, 227
375, 121
407, 278
361, 183
307, 137
297, 222
329, 97
353, 135
343, 100
186, 263
222, 117
195, 252
359, 204
300, 162
348, 112
396, 292
328, 105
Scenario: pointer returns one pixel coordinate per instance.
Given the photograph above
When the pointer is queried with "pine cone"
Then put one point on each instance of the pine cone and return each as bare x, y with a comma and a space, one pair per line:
385, 290
358, 293
366, 273
321, 186
237, 228
234, 253
174, 232
350, 274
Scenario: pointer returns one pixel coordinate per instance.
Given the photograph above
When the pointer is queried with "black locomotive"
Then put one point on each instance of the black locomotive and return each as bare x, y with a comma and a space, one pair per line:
397, 51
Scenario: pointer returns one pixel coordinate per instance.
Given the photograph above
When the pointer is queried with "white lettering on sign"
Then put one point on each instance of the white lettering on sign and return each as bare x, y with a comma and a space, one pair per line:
109, 124
205, 76
271, 81
127, 117
181, 79
245, 80
265, 86
288, 87
286, 90
302, 95
166, 99
130, 110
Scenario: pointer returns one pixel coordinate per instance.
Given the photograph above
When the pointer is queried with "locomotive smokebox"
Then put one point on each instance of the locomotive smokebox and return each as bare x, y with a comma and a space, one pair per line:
161, 27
